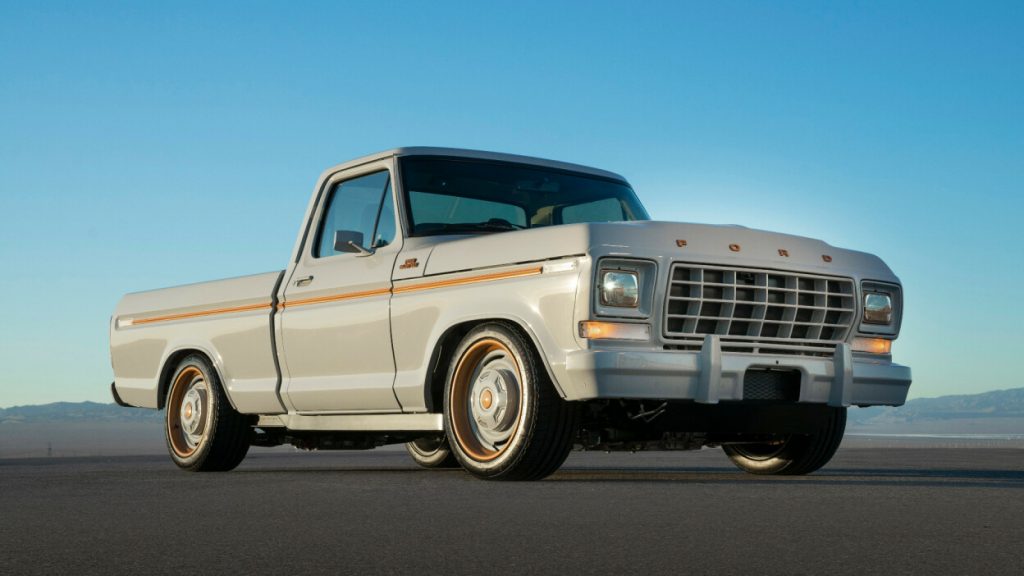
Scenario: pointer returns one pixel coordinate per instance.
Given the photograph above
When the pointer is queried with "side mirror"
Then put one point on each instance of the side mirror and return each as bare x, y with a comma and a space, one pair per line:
350, 241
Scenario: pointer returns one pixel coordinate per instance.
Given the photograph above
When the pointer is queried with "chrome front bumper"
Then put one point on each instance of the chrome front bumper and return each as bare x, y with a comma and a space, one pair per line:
710, 376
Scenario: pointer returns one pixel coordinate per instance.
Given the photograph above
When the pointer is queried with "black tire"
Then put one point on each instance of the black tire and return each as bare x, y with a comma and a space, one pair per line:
203, 431
793, 455
538, 426
432, 452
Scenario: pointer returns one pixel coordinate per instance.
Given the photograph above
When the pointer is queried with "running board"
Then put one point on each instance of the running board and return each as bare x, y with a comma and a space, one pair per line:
356, 422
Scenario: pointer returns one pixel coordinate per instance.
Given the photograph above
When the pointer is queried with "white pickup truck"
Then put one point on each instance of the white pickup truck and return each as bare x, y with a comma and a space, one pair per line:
494, 311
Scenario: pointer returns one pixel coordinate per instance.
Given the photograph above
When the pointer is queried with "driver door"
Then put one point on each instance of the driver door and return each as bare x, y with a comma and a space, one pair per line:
335, 322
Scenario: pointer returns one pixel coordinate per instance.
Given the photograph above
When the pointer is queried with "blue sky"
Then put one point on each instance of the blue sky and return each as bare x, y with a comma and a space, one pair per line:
152, 144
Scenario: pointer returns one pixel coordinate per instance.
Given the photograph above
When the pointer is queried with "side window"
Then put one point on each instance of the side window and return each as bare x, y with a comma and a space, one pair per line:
355, 205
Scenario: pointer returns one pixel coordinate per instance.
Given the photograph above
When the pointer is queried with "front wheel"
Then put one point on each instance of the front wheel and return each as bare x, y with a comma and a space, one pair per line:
204, 433
795, 454
503, 417
432, 452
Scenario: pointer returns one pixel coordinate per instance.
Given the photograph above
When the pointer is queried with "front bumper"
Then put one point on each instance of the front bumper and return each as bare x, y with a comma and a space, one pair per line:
710, 376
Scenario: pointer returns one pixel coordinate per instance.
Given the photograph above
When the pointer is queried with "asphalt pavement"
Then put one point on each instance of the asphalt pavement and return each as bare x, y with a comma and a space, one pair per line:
871, 511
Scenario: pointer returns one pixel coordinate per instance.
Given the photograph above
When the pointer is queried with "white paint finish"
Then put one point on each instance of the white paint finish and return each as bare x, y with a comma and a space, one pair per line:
710, 244
337, 354
139, 392
506, 248
653, 240
358, 422
675, 375
542, 304
238, 343
255, 396
241, 291
412, 263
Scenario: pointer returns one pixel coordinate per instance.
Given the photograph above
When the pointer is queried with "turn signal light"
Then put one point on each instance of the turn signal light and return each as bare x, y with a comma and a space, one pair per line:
614, 331
872, 345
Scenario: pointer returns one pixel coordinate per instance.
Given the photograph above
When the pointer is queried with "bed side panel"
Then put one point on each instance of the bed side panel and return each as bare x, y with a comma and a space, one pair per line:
228, 320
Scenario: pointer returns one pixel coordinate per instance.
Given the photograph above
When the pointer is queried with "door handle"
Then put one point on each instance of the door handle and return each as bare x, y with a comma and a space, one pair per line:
304, 281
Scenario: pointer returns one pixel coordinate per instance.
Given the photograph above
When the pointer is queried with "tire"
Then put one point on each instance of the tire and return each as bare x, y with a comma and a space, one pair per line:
432, 452
503, 417
793, 455
203, 431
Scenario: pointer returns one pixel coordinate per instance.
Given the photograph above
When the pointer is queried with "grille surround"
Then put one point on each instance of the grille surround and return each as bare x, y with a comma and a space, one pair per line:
758, 310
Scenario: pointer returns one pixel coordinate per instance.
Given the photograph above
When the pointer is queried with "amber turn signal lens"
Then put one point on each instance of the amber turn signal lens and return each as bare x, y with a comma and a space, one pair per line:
872, 345
614, 331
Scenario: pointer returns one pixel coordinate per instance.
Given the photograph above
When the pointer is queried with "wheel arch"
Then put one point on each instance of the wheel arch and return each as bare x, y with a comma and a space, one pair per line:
170, 363
446, 344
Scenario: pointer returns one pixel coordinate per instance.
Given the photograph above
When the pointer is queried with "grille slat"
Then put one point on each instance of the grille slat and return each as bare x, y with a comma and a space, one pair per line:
740, 302
758, 308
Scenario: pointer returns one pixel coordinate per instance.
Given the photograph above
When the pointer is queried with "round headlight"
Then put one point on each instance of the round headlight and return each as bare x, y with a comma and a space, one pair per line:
877, 308
620, 288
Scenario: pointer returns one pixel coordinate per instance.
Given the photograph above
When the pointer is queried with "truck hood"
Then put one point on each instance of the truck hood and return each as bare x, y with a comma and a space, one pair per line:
663, 241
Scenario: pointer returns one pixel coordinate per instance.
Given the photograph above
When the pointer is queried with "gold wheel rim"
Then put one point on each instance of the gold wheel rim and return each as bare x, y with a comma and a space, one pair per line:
465, 414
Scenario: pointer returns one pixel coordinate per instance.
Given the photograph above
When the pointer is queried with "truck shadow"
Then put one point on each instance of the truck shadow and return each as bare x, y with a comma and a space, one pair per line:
911, 477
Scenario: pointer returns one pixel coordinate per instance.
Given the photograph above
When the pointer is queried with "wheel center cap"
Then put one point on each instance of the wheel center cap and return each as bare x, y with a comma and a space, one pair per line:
486, 399
188, 411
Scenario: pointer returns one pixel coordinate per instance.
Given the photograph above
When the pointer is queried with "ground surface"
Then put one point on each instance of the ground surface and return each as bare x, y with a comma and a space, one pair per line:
874, 510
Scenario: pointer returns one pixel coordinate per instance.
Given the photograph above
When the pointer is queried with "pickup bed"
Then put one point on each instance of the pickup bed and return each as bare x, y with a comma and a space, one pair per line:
494, 311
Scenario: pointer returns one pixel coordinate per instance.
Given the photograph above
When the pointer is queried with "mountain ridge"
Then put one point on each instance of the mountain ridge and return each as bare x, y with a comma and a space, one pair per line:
75, 412
1002, 406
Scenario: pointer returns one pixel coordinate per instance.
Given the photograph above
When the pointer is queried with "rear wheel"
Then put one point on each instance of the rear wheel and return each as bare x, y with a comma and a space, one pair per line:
795, 454
432, 452
503, 417
203, 431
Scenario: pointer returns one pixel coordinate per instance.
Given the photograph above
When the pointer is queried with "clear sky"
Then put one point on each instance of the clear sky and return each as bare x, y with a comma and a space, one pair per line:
150, 144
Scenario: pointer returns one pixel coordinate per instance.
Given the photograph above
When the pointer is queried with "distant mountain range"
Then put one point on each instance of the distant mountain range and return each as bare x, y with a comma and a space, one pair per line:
996, 404
91, 412
1000, 411
996, 412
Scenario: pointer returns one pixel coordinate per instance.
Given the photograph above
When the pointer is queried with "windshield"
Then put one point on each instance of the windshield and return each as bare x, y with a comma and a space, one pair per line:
463, 196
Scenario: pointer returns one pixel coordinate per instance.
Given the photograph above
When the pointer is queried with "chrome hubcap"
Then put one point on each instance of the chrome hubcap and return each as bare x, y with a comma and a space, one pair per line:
494, 401
193, 412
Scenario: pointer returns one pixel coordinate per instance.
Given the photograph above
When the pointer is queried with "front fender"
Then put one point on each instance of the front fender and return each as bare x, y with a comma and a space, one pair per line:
542, 305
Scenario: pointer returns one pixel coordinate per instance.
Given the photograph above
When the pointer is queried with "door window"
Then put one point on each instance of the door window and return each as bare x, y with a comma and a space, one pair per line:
355, 205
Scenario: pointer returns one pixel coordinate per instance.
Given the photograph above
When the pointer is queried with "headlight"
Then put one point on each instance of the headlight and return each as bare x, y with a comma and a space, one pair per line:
620, 288
623, 288
877, 308
881, 308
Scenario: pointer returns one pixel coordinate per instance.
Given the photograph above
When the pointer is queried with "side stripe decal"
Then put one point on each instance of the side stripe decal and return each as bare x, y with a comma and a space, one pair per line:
401, 289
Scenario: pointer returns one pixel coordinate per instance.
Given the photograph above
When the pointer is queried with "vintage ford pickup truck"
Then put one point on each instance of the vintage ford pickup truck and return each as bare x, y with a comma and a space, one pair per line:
494, 311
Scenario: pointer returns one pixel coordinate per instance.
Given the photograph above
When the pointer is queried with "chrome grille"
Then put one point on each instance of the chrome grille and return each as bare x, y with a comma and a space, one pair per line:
748, 306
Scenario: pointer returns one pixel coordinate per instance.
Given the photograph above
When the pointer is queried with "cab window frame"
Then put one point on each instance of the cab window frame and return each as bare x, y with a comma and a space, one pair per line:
332, 192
